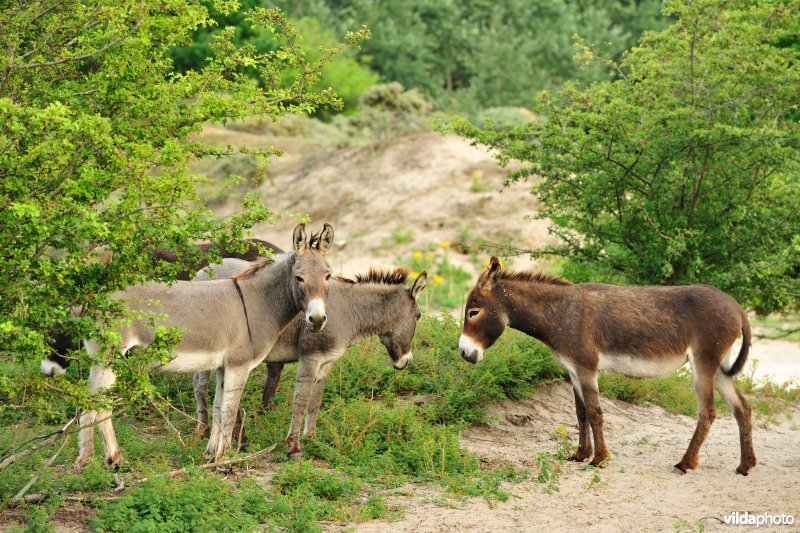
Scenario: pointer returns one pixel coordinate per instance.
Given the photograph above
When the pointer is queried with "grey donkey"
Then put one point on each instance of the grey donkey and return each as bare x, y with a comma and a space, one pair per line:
377, 303
228, 325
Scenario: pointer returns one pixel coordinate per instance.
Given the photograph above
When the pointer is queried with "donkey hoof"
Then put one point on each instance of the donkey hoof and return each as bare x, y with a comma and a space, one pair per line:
295, 456
113, 461
678, 469
579, 457
743, 470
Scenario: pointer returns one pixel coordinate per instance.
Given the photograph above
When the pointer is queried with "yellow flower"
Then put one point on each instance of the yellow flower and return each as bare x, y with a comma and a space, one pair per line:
414, 274
418, 255
445, 244
437, 280
428, 257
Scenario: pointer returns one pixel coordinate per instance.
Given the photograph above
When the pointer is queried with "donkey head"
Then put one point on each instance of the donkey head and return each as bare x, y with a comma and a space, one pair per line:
311, 273
484, 317
398, 340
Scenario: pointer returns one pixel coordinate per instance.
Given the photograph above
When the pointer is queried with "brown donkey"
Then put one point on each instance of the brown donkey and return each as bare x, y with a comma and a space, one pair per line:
635, 331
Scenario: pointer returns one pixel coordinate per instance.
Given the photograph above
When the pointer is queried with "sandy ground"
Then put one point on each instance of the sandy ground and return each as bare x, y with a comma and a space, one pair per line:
778, 360
389, 200
637, 491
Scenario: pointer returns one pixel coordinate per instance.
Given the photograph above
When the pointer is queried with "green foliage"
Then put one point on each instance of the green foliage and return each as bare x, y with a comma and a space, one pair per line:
685, 169
194, 503
448, 284
387, 111
474, 54
344, 74
97, 131
501, 118
550, 464
379, 428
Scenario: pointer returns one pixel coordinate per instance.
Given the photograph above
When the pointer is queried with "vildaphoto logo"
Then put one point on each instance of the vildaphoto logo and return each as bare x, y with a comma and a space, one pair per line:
758, 519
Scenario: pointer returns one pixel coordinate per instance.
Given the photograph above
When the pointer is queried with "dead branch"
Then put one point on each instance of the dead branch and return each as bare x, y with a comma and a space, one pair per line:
235, 460
13, 457
19, 495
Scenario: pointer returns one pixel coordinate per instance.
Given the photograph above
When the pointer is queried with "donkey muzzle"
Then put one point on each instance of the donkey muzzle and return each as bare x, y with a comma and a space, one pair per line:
469, 350
315, 315
50, 367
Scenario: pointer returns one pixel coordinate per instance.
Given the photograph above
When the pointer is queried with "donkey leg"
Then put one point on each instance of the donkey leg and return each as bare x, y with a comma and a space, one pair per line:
201, 382
234, 381
102, 378
741, 410
706, 413
85, 439
239, 433
315, 403
584, 438
306, 375
271, 386
216, 418
590, 394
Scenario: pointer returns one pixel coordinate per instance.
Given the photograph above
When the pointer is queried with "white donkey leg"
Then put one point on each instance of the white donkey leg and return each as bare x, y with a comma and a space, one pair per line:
100, 378
234, 381
200, 381
307, 370
85, 439
216, 416
315, 403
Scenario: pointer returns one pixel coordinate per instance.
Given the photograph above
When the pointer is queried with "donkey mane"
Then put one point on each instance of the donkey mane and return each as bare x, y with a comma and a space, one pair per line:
257, 266
314, 240
531, 277
398, 276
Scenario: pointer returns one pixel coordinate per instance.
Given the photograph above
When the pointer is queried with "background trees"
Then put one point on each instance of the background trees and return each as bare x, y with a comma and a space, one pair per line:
465, 55
683, 170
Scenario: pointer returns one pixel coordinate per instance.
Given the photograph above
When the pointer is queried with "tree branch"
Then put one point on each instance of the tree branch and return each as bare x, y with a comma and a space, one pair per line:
89, 54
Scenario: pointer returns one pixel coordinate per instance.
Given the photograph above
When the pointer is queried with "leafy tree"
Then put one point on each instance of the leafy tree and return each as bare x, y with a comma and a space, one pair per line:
97, 131
348, 77
686, 168
473, 54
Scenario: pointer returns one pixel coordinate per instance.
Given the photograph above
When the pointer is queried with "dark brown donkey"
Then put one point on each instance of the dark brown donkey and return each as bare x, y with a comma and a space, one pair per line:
635, 331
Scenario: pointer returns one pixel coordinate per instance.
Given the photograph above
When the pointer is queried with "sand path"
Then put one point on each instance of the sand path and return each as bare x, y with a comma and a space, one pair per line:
636, 492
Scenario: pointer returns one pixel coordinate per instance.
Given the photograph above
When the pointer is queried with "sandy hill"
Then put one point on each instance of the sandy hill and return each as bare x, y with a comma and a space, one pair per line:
386, 201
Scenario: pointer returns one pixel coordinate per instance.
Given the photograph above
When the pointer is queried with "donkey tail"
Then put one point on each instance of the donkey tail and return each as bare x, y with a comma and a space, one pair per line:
738, 365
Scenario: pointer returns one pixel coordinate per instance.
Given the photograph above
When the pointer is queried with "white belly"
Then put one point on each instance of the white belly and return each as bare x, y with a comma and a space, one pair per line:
641, 367
188, 362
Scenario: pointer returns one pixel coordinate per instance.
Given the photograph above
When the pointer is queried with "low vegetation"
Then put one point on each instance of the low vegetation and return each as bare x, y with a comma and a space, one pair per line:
379, 429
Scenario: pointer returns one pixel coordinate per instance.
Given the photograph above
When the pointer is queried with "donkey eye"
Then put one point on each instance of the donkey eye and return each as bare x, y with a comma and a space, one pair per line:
327, 277
474, 312
299, 279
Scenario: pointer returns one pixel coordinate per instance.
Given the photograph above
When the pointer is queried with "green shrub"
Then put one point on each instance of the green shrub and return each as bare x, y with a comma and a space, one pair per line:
194, 503
502, 118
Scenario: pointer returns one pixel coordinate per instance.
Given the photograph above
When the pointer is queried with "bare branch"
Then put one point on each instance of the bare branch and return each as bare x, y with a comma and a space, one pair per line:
235, 460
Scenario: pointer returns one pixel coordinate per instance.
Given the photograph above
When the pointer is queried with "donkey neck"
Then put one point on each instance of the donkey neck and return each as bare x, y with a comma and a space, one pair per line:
367, 309
538, 309
269, 300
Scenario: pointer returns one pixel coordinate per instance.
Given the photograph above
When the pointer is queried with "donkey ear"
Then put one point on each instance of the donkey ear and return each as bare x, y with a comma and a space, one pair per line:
419, 284
299, 238
491, 273
325, 238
